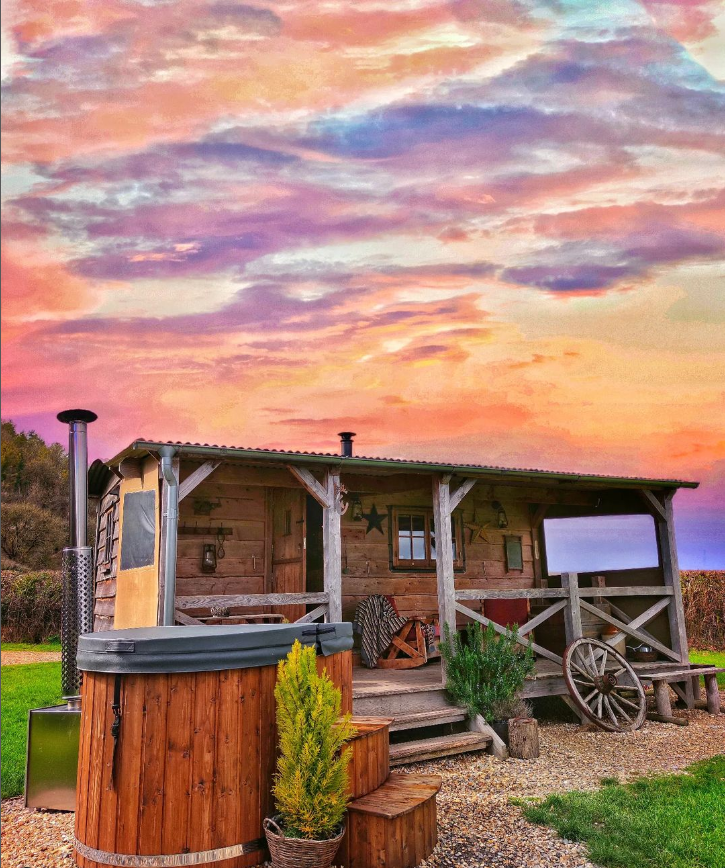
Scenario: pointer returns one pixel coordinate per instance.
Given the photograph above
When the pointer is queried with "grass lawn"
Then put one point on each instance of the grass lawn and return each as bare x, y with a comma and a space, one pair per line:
34, 685
26, 646
712, 658
672, 821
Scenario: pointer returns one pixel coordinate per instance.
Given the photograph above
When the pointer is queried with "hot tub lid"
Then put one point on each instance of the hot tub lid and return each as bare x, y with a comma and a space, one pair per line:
204, 649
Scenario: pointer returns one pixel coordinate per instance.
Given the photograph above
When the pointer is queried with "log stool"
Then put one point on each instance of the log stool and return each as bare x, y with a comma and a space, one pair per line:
391, 820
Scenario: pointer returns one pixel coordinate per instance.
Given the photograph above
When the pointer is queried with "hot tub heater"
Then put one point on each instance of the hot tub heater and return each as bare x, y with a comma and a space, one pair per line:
52, 758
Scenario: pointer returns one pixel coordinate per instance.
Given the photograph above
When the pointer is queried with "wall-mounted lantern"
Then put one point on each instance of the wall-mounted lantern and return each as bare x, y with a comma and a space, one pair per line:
357, 510
208, 558
501, 517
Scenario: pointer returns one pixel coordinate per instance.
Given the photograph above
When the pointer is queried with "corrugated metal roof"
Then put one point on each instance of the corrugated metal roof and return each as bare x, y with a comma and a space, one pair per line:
143, 445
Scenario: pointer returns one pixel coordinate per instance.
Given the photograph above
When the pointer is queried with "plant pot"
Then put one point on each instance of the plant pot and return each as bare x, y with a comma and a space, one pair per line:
299, 852
501, 728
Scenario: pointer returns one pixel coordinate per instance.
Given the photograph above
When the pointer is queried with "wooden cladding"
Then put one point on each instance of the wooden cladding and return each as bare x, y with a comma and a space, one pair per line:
194, 761
106, 567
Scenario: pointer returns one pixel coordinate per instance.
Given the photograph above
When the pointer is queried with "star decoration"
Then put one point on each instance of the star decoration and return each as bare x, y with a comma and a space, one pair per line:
477, 530
374, 519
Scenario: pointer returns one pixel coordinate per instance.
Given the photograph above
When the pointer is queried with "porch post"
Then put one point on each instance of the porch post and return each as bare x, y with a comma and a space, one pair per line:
332, 546
572, 612
444, 553
671, 573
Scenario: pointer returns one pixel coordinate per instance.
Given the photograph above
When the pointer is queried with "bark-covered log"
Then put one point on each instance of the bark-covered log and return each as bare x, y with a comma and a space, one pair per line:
523, 738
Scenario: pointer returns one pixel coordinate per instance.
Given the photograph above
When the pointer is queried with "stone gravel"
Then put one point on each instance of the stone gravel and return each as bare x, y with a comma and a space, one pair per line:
479, 827
13, 658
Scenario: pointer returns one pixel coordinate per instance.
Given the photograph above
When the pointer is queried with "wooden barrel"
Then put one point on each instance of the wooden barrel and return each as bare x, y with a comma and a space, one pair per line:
190, 782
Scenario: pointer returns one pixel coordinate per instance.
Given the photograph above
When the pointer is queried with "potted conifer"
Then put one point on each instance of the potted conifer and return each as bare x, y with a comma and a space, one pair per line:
311, 783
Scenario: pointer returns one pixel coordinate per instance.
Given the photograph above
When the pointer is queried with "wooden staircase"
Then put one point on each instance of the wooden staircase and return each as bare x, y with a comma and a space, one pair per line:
391, 820
417, 705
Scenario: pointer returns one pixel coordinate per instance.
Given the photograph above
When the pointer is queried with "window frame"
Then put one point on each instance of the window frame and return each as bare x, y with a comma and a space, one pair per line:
427, 565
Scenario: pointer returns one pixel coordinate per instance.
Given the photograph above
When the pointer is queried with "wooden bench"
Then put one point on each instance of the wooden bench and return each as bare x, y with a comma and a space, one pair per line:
661, 679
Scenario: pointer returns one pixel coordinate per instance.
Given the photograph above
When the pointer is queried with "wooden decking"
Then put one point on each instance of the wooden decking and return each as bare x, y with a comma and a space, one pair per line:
547, 680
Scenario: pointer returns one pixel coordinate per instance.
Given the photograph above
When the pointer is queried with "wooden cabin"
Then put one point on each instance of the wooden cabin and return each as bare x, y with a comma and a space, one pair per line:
263, 533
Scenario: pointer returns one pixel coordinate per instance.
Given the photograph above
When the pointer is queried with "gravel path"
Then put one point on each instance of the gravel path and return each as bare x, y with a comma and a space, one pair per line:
13, 658
478, 827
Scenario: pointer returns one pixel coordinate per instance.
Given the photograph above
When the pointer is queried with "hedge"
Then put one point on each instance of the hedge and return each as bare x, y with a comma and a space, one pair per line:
703, 593
30, 605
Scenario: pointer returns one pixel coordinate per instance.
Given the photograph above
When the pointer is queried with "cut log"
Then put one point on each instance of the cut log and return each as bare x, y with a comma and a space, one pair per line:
662, 698
668, 718
712, 692
523, 738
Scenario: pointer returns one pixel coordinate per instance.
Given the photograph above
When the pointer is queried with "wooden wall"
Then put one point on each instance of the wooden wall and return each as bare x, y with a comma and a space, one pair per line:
105, 573
137, 590
243, 509
366, 557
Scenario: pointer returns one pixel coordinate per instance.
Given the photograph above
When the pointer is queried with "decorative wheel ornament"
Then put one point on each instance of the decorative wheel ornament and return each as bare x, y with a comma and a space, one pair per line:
604, 686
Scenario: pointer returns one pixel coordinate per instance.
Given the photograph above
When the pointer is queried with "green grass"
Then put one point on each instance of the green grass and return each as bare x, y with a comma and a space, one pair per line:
34, 685
672, 821
26, 646
712, 658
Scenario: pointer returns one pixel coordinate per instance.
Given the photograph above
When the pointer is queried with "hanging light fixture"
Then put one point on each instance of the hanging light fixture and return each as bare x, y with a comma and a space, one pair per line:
208, 558
501, 517
357, 510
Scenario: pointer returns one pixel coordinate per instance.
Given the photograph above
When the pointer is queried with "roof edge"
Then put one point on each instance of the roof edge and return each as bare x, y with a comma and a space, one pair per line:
321, 459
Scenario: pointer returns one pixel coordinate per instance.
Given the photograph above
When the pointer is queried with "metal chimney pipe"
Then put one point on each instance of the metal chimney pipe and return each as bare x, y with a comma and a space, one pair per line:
346, 443
77, 563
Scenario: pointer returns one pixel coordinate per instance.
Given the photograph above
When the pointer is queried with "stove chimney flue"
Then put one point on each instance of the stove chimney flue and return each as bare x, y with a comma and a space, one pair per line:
346, 443
77, 565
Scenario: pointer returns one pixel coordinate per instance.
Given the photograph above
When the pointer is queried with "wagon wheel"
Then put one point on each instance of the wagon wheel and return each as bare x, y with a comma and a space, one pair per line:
604, 686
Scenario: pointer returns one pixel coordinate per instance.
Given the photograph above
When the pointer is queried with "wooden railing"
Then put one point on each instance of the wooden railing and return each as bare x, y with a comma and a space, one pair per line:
321, 610
569, 599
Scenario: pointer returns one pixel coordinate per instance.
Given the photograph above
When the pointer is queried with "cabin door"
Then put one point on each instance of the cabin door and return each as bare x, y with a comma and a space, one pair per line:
287, 520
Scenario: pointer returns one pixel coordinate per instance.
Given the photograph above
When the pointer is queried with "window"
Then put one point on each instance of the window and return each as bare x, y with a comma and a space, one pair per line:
414, 542
606, 542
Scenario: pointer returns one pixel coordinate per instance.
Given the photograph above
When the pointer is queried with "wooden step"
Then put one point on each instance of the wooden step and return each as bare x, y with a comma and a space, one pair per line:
435, 717
368, 767
395, 703
393, 827
431, 748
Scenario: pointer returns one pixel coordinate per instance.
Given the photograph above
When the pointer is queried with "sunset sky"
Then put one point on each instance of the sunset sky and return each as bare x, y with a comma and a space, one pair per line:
476, 230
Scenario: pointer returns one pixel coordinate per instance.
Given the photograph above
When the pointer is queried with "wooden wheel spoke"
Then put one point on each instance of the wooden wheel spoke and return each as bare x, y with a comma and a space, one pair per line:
604, 686
619, 707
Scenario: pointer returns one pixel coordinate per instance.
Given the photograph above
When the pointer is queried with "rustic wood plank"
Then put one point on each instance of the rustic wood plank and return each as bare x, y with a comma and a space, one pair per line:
671, 572
445, 575
531, 625
196, 478
639, 622
187, 620
639, 591
317, 489
153, 763
539, 649
572, 612
513, 594
128, 772
462, 490
332, 546
231, 600
313, 615
203, 756
625, 628
178, 769
653, 504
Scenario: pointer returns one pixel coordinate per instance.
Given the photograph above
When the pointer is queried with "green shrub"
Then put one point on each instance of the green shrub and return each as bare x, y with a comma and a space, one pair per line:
30, 605
484, 668
311, 784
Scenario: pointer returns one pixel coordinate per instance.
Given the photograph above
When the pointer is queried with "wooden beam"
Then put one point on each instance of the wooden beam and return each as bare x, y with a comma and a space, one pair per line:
625, 628
462, 490
187, 620
527, 628
498, 745
445, 577
311, 484
196, 478
312, 616
638, 622
205, 601
512, 594
539, 515
482, 619
572, 613
622, 591
653, 503
332, 544
671, 571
